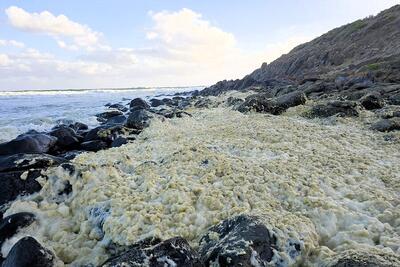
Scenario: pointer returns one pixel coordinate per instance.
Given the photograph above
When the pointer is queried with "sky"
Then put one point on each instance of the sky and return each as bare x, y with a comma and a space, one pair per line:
47, 44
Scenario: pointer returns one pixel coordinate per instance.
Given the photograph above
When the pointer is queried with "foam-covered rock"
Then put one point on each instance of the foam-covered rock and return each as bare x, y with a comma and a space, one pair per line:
172, 252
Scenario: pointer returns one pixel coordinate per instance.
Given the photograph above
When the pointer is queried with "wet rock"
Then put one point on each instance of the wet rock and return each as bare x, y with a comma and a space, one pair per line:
120, 119
119, 107
372, 101
138, 119
172, 252
276, 106
240, 241
66, 137
138, 104
10, 225
119, 141
104, 116
338, 108
28, 143
94, 145
387, 125
27, 252
79, 126
12, 184
106, 133
20, 162
154, 102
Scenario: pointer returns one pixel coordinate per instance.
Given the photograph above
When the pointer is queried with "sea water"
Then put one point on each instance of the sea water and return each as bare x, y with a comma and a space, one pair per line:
41, 110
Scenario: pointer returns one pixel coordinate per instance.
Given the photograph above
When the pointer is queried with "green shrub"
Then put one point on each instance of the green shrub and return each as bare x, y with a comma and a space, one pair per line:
373, 66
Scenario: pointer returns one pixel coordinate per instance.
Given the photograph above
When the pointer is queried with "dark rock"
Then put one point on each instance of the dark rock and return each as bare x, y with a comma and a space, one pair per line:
172, 252
394, 99
94, 145
339, 108
20, 162
138, 119
119, 141
28, 143
106, 133
233, 101
27, 252
372, 101
203, 103
154, 102
359, 83
68, 167
120, 119
11, 185
10, 225
138, 104
172, 113
242, 241
276, 106
103, 117
66, 137
79, 126
66, 189
119, 107
387, 125
70, 154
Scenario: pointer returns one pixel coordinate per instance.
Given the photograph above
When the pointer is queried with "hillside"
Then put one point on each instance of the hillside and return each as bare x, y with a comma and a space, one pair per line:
368, 47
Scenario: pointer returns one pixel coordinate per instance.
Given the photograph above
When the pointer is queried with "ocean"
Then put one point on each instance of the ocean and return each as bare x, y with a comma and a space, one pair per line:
41, 110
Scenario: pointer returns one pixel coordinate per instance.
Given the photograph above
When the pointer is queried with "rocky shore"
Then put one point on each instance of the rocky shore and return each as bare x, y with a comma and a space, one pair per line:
297, 164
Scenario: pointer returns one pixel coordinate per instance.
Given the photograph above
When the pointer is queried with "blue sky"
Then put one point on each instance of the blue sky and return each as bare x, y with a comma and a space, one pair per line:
91, 44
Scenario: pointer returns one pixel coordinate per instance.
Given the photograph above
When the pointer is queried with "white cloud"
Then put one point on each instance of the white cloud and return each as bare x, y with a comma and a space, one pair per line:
11, 43
5, 60
59, 27
184, 49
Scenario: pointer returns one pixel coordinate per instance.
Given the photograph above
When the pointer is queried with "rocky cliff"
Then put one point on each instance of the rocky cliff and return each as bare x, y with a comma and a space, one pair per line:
367, 48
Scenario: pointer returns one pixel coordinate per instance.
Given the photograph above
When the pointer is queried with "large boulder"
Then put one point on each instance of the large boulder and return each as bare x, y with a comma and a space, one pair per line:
106, 133
276, 106
94, 145
13, 184
120, 119
104, 116
138, 119
137, 104
28, 143
78, 126
66, 137
172, 252
387, 125
28, 252
10, 225
154, 102
19, 162
119, 107
372, 101
243, 240
338, 108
